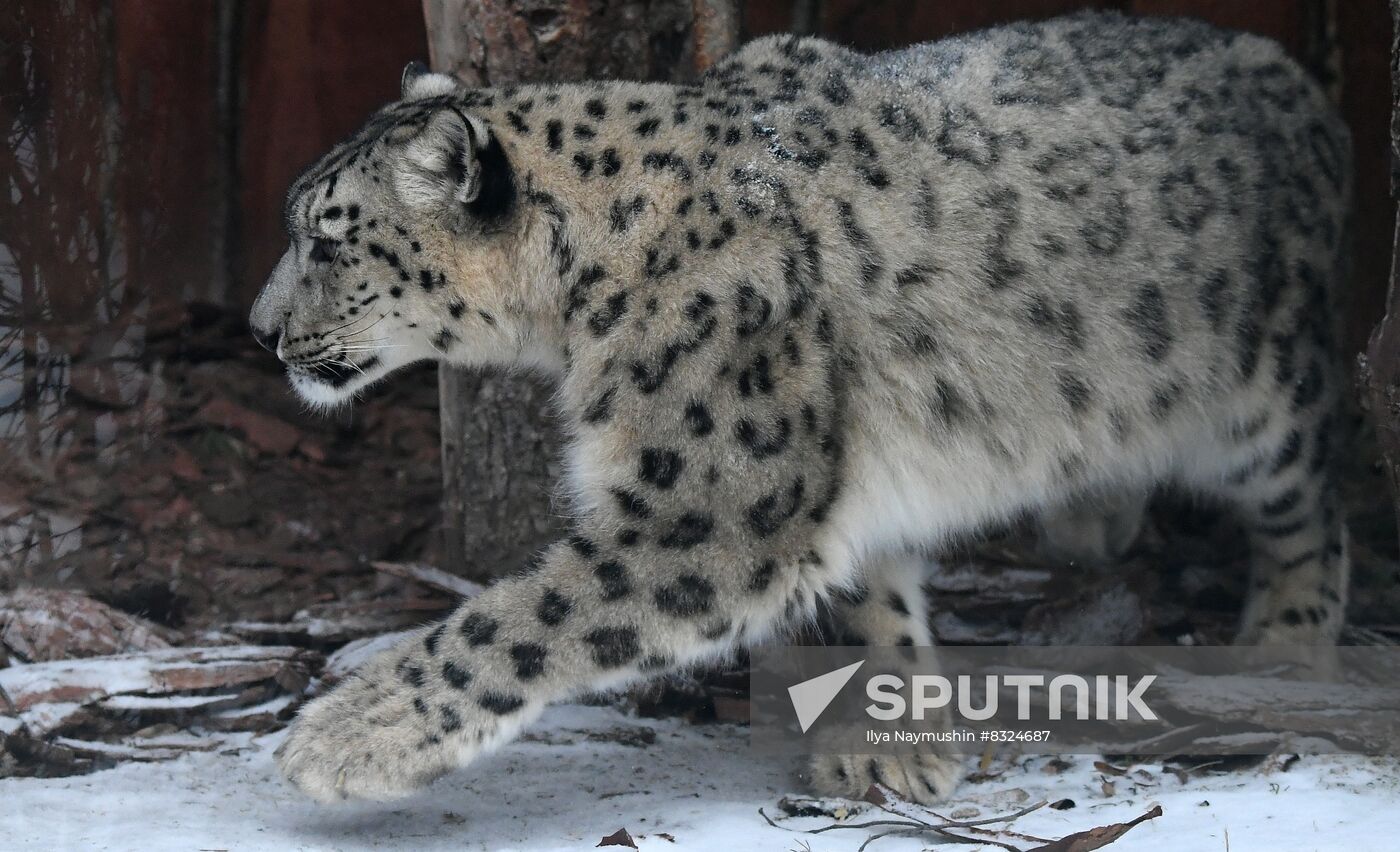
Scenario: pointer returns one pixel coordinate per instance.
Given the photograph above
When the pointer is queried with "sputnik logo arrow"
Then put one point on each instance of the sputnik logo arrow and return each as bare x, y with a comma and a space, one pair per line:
811, 697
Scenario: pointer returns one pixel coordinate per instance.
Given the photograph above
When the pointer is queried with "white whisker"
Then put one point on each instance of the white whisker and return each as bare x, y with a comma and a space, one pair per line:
361, 331
341, 362
376, 348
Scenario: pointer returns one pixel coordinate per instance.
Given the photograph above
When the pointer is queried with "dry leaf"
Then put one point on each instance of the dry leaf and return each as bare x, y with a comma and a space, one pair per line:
1096, 838
618, 838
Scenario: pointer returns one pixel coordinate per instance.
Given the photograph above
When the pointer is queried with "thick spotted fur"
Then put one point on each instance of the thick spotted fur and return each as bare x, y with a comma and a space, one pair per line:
821, 308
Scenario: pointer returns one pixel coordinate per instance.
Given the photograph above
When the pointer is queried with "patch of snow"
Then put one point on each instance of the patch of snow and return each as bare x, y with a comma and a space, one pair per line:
272, 705
570, 784
164, 702
969, 577
354, 654
157, 748
321, 628
123, 672
42, 718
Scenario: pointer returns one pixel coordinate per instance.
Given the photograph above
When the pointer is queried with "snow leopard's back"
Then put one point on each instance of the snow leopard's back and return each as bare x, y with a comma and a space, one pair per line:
1105, 242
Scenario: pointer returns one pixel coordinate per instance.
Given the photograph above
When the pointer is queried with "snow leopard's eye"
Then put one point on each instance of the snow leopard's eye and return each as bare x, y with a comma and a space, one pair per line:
323, 250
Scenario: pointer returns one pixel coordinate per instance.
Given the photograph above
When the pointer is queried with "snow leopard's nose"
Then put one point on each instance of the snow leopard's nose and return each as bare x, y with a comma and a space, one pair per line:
273, 307
268, 339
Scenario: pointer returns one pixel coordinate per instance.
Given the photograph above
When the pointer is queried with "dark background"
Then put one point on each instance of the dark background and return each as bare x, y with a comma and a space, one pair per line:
149, 452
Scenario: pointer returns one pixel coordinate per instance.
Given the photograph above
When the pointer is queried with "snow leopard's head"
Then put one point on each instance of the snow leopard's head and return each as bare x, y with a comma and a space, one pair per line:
402, 248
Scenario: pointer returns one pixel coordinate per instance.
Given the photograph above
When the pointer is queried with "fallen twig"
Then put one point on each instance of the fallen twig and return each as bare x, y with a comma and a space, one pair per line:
909, 822
912, 819
433, 578
331, 624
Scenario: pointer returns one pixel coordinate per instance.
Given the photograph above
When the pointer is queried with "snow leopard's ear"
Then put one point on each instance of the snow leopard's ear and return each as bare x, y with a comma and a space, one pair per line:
455, 168
418, 82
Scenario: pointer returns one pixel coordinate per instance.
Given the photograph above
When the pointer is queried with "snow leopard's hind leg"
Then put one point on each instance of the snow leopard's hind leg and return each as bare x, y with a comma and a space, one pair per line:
1281, 489
888, 609
1298, 541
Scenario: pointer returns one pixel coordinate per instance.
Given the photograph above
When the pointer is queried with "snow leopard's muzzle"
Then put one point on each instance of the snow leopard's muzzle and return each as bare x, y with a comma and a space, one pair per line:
329, 354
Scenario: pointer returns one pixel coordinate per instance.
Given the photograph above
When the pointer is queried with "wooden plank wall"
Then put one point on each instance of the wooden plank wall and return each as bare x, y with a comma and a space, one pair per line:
312, 71
214, 106
1364, 35
172, 183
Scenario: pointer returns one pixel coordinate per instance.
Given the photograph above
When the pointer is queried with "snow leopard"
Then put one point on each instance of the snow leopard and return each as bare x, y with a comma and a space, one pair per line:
819, 310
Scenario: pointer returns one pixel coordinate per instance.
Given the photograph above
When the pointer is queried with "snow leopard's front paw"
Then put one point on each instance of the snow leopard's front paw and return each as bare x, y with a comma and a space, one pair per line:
922, 778
374, 737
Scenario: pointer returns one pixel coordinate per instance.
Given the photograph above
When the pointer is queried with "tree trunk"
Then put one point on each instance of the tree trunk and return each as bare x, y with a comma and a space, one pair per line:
499, 447
1380, 373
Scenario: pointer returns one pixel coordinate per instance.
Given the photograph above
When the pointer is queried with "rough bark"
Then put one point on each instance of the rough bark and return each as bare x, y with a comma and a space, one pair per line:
1380, 371
489, 42
500, 449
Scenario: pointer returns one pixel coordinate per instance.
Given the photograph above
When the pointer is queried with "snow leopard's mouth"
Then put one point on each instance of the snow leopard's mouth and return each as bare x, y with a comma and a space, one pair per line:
328, 382
338, 374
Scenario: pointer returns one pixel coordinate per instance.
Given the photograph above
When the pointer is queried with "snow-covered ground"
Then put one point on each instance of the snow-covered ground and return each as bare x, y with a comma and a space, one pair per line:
583, 772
